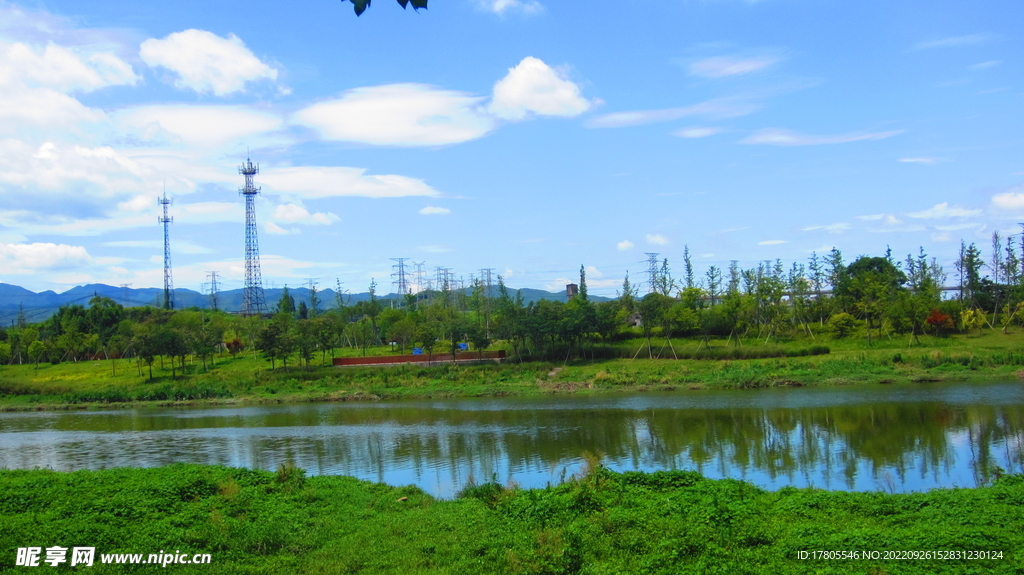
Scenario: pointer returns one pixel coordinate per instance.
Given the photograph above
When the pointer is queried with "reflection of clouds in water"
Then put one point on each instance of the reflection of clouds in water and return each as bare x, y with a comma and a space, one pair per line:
907, 445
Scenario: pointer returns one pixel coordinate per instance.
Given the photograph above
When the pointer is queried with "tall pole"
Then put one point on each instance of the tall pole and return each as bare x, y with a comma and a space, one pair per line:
166, 221
401, 280
253, 302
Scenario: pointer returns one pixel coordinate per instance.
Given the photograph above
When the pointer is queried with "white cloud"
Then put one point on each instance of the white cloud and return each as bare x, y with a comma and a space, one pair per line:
1009, 200
435, 211
723, 66
61, 69
884, 218
919, 160
323, 182
434, 249
778, 137
399, 115
39, 257
207, 126
772, 242
656, 239
296, 214
534, 87
944, 210
696, 132
719, 108
985, 65
275, 229
593, 272
953, 41
206, 62
624, 245
836, 228
942, 237
503, 6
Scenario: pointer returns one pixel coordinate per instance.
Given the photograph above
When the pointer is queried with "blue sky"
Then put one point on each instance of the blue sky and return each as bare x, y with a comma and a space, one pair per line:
526, 136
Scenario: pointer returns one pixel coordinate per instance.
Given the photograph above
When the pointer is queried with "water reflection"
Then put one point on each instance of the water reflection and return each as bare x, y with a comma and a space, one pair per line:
866, 438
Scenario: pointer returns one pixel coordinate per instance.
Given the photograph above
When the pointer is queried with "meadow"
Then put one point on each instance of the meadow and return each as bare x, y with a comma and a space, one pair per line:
600, 522
621, 366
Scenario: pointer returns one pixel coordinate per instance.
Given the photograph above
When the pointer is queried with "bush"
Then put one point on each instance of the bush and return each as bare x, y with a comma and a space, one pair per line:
842, 325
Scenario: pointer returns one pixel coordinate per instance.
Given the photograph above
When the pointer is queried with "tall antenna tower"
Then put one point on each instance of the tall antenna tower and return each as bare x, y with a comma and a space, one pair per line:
166, 221
401, 282
652, 272
212, 276
253, 302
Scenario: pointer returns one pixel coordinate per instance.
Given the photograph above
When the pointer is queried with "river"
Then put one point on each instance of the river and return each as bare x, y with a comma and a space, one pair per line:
893, 438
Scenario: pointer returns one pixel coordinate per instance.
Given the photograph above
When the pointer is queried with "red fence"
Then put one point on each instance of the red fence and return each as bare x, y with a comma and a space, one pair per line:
437, 357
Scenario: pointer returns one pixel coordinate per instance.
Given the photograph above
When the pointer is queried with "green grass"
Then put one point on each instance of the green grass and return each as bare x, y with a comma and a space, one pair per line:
247, 379
664, 522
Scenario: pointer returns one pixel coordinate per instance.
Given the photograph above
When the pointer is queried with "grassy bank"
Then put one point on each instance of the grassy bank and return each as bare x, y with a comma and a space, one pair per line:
249, 379
604, 522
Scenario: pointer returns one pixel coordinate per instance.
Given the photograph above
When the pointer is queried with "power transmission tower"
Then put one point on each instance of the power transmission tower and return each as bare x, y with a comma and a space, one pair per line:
166, 221
652, 272
314, 299
401, 282
419, 276
212, 276
253, 302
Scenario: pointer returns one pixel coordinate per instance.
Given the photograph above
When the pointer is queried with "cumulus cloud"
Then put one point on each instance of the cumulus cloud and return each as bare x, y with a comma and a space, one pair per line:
723, 66
919, 160
399, 115
275, 229
953, 41
1009, 200
624, 245
205, 62
656, 239
696, 132
779, 137
323, 182
508, 6
533, 87
38, 257
944, 210
435, 211
296, 214
719, 108
61, 69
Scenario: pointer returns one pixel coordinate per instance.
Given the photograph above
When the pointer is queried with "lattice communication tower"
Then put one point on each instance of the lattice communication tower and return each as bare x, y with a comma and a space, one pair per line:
166, 221
253, 302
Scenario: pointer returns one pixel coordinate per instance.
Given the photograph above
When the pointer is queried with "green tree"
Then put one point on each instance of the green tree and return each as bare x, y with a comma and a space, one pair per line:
36, 350
362, 5
286, 304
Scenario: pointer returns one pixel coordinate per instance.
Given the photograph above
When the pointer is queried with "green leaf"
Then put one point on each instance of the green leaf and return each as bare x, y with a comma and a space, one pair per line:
360, 5
417, 4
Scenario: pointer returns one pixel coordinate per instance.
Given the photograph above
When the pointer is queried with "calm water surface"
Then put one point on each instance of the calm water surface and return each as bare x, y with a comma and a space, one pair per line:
892, 438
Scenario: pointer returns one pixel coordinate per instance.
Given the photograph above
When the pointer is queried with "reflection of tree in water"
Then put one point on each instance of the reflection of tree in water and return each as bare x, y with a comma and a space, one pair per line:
372, 441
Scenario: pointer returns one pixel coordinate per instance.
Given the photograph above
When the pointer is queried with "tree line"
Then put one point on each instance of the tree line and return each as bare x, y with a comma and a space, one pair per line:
871, 297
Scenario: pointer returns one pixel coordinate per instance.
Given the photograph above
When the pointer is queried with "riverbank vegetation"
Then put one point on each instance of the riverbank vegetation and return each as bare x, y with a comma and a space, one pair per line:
874, 320
601, 522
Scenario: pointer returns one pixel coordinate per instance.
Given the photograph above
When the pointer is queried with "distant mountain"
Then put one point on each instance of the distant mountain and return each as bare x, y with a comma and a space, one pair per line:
39, 306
